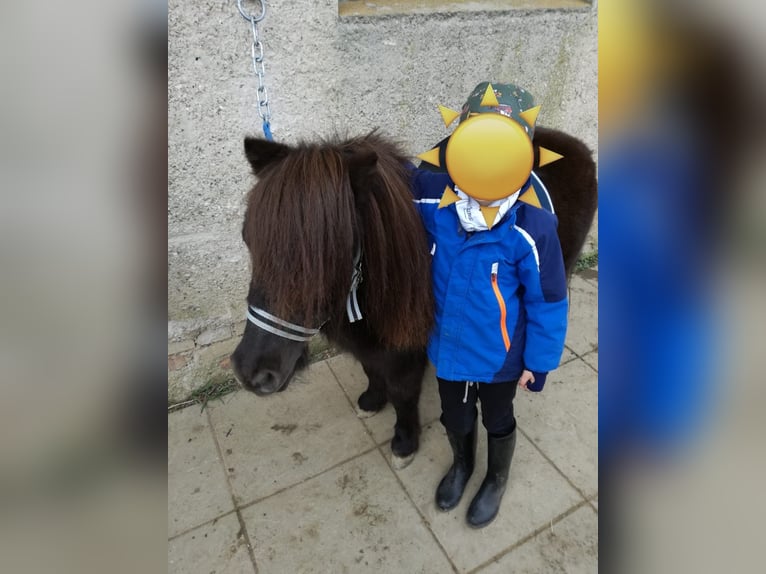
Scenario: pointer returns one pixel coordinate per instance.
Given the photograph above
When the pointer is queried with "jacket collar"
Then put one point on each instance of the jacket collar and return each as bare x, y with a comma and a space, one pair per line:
494, 235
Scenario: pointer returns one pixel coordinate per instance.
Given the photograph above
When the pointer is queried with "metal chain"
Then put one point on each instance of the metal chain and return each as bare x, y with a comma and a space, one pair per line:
256, 51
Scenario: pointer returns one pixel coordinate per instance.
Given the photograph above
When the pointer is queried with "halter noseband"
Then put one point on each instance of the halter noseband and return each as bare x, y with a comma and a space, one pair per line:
279, 327
273, 325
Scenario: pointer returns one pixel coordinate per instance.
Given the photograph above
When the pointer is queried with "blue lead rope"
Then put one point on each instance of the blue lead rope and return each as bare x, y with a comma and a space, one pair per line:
267, 131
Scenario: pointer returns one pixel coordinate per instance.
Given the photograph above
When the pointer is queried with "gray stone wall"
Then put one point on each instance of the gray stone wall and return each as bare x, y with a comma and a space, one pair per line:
328, 75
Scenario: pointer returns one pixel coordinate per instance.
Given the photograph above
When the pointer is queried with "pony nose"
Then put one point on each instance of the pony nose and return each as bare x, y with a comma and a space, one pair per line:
235, 367
264, 382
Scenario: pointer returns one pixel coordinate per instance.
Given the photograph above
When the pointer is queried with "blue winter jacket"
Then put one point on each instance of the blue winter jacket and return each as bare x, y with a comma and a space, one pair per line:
501, 295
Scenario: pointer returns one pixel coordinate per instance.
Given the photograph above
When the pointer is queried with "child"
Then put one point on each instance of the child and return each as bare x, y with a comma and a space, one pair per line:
499, 282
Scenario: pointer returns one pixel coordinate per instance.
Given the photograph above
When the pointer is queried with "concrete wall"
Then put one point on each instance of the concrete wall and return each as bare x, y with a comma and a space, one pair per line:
328, 75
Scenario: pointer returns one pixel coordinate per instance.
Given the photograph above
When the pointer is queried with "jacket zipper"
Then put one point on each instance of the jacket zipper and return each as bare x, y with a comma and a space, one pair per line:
501, 303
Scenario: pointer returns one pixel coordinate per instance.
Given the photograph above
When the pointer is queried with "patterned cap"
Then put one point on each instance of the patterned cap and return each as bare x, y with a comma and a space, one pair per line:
512, 101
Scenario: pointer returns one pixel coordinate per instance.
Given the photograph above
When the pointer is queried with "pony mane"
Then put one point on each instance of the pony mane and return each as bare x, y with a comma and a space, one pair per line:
308, 214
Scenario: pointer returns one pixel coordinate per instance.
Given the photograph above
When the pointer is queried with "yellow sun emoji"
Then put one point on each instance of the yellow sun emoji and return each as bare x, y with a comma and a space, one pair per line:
489, 156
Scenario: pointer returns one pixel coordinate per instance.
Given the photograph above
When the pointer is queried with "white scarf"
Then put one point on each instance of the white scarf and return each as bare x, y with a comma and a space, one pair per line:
469, 212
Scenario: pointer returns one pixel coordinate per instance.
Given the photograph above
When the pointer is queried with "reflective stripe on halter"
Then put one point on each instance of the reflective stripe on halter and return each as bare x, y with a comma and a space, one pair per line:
277, 326
352, 303
274, 325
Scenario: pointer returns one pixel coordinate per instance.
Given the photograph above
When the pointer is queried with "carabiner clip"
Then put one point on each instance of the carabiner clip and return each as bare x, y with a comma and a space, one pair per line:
250, 17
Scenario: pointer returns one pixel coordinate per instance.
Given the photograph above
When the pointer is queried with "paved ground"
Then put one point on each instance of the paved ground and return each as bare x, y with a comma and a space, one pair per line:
297, 483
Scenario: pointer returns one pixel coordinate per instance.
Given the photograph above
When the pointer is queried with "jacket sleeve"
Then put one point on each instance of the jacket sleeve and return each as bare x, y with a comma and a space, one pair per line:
541, 271
427, 188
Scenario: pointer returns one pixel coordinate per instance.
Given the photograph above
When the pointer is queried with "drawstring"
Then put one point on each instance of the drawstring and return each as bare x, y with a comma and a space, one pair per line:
465, 396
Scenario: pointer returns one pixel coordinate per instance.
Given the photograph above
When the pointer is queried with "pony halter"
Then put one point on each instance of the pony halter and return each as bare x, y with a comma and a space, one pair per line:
279, 327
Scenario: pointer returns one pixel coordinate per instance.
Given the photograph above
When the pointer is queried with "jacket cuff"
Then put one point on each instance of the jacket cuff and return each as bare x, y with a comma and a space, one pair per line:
539, 383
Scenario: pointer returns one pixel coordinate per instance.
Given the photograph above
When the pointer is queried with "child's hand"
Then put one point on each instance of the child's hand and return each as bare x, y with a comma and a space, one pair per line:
526, 378
530, 381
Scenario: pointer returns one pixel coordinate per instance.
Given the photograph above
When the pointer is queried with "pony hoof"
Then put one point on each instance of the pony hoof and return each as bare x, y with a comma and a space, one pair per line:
401, 462
363, 414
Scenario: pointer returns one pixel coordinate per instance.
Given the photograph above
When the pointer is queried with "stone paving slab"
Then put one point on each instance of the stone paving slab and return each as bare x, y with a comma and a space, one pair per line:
353, 518
591, 274
582, 332
563, 422
270, 443
592, 359
217, 546
197, 490
318, 495
567, 356
566, 547
536, 494
351, 376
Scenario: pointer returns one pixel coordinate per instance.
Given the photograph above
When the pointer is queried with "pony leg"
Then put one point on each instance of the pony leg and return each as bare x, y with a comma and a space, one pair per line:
374, 398
404, 394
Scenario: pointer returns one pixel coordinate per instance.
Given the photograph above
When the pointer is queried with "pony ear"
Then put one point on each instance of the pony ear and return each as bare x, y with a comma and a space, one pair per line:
361, 165
262, 153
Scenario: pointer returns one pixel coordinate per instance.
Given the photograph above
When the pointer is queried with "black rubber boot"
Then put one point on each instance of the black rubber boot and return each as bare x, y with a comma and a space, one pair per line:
451, 487
486, 503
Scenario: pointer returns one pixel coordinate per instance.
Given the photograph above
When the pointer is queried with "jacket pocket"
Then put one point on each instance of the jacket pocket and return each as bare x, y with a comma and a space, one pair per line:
501, 304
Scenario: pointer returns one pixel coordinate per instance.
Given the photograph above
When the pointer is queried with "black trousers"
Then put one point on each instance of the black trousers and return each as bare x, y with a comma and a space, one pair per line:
496, 399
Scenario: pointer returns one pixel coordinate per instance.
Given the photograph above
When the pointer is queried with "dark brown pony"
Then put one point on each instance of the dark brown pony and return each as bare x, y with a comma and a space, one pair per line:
315, 208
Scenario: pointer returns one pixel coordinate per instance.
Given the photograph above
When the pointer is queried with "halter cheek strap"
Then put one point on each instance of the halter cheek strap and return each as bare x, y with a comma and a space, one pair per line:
277, 326
352, 303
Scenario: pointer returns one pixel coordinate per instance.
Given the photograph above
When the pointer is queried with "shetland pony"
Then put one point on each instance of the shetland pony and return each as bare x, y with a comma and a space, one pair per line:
320, 213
